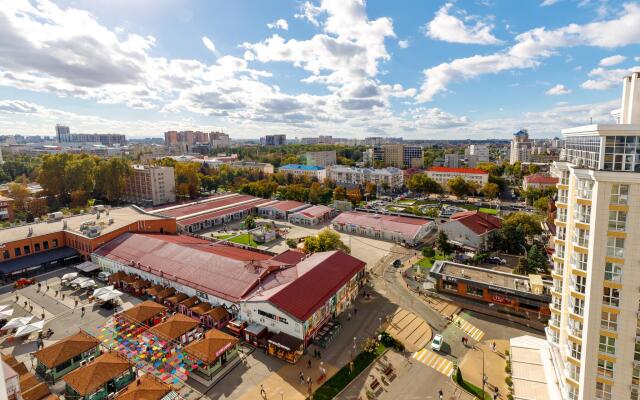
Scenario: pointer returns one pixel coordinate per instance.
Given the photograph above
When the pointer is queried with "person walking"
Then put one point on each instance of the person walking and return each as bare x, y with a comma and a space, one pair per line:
301, 377
263, 392
82, 312
440, 394
309, 363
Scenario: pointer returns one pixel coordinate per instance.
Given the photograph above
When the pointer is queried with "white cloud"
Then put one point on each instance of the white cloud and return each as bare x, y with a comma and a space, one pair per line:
450, 28
208, 43
532, 47
603, 79
558, 90
547, 3
403, 44
279, 24
612, 60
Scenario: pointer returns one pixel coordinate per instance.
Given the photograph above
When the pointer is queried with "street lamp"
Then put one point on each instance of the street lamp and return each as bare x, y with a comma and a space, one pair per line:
483, 375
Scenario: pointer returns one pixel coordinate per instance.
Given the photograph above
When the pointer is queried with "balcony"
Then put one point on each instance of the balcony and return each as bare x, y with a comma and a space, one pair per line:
574, 331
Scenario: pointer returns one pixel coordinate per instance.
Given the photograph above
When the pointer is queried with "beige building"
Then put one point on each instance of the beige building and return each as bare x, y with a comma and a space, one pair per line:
594, 330
219, 140
151, 185
321, 158
350, 176
267, 168
442, 175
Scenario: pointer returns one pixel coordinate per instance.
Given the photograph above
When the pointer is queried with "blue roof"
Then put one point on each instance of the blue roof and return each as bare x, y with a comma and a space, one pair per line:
304, 167
37, 259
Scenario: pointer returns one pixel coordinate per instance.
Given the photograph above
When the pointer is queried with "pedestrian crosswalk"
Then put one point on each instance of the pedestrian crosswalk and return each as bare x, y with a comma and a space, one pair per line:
472, 331
435, 361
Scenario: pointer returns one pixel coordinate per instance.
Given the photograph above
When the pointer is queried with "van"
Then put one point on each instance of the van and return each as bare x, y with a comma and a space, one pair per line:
103, 276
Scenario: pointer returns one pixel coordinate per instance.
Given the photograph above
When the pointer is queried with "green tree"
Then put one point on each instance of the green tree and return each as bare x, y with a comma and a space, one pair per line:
421, 183
490, 190
292, 243
339, 193
250, 222
19, 193
326, 240
79, 175
530, 223
432, 212
443, 243
542, 204
187, 179
51, 174
537, 260
428, 252
458, 186
111, 177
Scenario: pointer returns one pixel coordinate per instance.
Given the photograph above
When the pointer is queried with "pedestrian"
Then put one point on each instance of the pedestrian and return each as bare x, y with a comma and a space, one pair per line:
56, 293
495, 396
309, 363
25, 304
309, 381
301, 378
440, 394
75, 302
493, 346
349, 316
355, 311
63, 296
31, 308
82, 312
42, 315
17, 298
319, 356
263, 393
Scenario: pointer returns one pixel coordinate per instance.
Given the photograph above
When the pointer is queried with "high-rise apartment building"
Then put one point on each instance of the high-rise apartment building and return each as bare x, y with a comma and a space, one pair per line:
273, 140
321, 158
62, 130
150, 185
219, 140
64, 136
395, 155
594, 329
520, 147
481, 151
452, 160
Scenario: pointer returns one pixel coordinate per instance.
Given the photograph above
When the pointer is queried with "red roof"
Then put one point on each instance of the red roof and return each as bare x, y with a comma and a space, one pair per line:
315, 211
458, 170
220, 213
290, 257
222, 270
203, 205
319, 277
541, 179
404, 225
478, 222
286, 205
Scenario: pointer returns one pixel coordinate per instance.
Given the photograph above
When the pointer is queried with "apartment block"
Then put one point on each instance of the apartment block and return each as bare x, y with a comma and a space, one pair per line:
520, 147
321, 158
390, 177
150, 186
594, 330
273, 140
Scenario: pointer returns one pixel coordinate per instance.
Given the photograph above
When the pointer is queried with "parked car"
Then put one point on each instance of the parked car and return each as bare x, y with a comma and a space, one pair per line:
103, 276
496, 260
23, 282
436, 343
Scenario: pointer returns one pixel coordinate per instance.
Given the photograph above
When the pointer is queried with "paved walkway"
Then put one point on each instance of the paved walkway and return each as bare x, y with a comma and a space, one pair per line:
409, 329
472, 331
435, 361
494, 364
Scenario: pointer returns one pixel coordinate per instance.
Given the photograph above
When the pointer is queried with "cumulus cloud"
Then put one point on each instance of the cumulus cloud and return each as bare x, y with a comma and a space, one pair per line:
603, 79
532, 47
547, 3
612, 60
451, 28
558, 90
279, 24
208, 43
403, 44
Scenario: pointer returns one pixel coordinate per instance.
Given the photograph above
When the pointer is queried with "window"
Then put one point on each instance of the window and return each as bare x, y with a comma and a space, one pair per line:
605, 368
617, 220
574, 371
609, 321
582, 213
619, 194
580, 260
561, 214
579, 283
603, 391
45, 244
615, 247
474, 291
577, 306
607, 345
17, 252
611, 297
27, 250
561, 233
37, 247
54, 243
581, 237
585, 187
635, 376
5, 254
572, 393
612, 272
575, 350
559, 250
575, 327
621, 153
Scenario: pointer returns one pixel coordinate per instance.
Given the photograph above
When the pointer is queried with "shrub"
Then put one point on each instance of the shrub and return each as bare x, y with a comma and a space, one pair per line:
508, 381
428, 252
292, 243
507, 368
389, 341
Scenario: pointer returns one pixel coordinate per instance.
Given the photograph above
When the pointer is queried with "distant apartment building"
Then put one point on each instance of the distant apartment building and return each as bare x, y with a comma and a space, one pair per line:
219, 140
64, 136
380, 140
266, 168
520, 147
442, 175
150, 185
394, 155
481, 151
310, 171
317, 140
451, 160
6, 208
321, 158
390, 177
273, 140
539, 181
186, 140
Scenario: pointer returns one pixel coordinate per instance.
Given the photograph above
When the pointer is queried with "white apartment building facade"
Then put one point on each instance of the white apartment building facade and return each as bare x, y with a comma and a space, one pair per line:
520, 147
321, 158
594, 329
392, 178
442, 175
150, 185
481, 151
219, 140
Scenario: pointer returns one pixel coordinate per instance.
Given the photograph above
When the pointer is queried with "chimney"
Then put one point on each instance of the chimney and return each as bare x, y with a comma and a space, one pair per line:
630, 109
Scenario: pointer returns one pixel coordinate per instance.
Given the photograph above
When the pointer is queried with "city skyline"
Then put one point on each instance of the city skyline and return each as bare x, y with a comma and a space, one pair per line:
469, 69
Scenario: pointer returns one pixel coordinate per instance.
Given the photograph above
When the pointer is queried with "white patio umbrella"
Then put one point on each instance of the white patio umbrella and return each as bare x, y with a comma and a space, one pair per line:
69, 276
18, 322
88, 283
78, 281
102, 290
113, 294
6, 313
29, 329
4, 306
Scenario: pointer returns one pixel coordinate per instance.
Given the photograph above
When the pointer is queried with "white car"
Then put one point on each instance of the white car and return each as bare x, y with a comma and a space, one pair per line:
103, 276
436, 343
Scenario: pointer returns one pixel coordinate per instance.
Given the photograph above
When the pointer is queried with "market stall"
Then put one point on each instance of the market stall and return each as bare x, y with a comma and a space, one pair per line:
285, 347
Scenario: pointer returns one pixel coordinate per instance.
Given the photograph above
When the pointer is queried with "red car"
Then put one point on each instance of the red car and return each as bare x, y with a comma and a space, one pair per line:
23, 282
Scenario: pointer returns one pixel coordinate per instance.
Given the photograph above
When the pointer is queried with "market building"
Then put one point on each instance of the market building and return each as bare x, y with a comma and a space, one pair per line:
311, 171
523, 296
471, 229
442, 175
281, 209
55, 361
313, 215
100, 379
392, 228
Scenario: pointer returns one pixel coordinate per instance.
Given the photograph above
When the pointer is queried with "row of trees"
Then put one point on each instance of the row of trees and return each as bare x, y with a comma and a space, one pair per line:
422, 183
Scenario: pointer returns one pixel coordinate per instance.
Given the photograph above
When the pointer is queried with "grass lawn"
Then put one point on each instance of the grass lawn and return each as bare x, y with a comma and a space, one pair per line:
244, 239
342, 378
223, 237
426, 262
491, 211
473, 389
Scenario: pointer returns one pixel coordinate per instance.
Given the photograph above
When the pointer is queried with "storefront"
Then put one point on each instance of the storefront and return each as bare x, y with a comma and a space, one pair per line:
256, 335
285, 347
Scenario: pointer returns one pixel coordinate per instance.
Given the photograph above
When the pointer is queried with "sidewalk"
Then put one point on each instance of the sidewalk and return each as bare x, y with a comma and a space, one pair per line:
494, 365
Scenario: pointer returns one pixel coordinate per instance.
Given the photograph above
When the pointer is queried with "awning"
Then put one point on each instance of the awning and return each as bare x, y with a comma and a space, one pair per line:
18, 322
102, 290
110, 295
88, 283
286, 342
79, 281
29, 329
36, 260
87, 266
69, 276
6, 313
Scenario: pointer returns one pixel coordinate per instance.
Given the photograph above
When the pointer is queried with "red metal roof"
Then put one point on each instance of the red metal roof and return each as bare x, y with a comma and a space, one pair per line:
286, 205
479, 222
542, 179
315, 211
221, 270
319, 277
458, 170
290, 257
231, 210
382, 222
203, 205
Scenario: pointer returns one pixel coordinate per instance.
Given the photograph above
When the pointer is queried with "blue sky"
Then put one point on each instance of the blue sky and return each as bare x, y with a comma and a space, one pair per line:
462, 69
